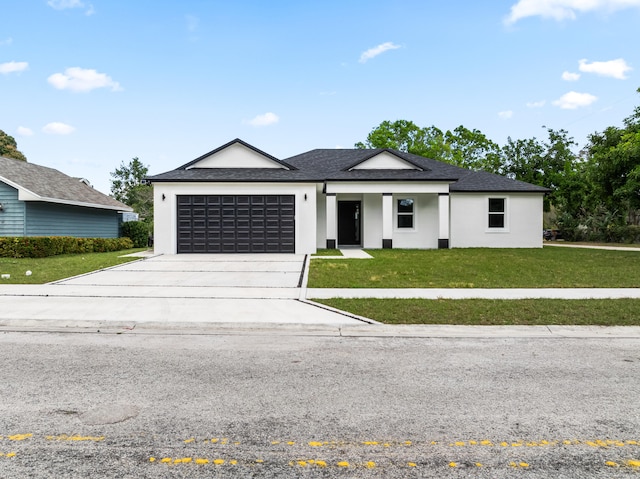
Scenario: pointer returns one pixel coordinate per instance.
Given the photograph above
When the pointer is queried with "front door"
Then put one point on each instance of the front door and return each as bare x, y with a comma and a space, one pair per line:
349, 223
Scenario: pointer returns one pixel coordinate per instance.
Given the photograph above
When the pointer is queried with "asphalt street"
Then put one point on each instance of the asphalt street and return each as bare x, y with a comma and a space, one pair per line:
297, 405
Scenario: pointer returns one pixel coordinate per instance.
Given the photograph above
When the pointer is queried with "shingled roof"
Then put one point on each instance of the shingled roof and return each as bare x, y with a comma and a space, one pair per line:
325, 165
40, 183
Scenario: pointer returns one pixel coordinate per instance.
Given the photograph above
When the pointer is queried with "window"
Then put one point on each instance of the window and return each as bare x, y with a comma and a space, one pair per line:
496, 213
405, 213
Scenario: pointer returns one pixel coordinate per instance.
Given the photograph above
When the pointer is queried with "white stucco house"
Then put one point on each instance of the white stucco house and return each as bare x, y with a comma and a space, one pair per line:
239, 199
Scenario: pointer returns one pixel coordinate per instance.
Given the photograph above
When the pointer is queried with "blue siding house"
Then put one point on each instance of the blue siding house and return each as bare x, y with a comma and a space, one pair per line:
40, 201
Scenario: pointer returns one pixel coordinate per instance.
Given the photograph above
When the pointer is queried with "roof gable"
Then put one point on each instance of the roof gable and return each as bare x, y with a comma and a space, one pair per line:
329, 165
40, 183
384, 160
236, 154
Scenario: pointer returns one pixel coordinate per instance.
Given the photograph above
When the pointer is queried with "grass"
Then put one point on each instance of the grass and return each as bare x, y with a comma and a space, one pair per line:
53, 268
586, 243
604, 312
327, 252
548, 267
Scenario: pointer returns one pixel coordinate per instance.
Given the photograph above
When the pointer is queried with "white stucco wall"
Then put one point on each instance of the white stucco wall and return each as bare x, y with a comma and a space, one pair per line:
469, 221
385, 161
165, 211
424, 235
321, 223
236, 156
372, 221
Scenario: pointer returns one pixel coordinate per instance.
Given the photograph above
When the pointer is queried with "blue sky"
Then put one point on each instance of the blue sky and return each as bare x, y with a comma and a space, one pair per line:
88, 84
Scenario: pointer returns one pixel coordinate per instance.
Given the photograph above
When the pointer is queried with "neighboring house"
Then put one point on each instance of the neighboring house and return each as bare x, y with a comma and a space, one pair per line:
238, 199
40, 201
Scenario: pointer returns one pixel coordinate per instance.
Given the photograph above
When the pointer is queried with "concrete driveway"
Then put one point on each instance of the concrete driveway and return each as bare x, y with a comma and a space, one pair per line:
172, 289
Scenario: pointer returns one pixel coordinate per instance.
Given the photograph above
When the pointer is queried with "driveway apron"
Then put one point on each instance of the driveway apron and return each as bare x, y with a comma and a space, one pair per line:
199, 288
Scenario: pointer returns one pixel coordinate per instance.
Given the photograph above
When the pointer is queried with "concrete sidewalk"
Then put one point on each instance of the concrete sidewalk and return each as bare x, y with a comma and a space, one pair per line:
610, 248
355, 330
475, 293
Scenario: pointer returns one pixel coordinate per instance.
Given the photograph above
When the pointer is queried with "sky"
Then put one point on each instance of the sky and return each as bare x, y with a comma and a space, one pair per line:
87, 85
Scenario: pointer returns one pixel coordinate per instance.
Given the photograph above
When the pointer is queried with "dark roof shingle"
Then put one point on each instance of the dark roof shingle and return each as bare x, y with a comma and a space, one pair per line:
334, 165
50, 184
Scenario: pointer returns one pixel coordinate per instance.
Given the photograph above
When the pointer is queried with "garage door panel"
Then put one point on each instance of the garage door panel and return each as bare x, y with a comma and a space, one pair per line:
236, 223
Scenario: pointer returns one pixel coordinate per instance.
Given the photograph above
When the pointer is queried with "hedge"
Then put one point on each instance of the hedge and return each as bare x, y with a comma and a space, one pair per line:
609, 234
43, 246
138, 231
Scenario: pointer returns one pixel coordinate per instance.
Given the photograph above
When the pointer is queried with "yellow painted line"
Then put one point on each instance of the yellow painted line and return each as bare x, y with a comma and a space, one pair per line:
75, 438
310, 463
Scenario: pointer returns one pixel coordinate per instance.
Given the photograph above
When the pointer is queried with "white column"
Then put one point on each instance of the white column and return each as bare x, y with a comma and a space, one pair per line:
443, 223
387, 220
332, 221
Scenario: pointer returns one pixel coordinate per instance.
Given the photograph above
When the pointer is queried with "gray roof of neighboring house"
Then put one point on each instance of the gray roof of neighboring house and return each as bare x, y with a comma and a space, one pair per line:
336, 165
50, 185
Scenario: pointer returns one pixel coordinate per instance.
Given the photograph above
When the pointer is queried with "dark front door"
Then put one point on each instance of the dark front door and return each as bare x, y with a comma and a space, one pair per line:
349, 223
236, 224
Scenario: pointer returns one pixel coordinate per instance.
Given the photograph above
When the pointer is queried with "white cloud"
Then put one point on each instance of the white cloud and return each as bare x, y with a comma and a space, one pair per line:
264, 120
24, 131
6, 41
505, 115
564, 9
573, 100
613, 68
375, 51
57, 128
536, 104
12, 67
66, 4
82, 80
569, 76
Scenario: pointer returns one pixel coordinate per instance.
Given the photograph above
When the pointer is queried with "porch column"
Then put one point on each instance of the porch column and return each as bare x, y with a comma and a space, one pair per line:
443, 214
332, 221
387, 220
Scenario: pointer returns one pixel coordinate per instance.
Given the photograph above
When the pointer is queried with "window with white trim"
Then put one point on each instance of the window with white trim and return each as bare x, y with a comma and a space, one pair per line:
497, 213
405, 213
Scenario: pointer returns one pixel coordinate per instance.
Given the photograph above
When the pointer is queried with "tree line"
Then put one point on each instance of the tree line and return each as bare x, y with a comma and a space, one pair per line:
595, 191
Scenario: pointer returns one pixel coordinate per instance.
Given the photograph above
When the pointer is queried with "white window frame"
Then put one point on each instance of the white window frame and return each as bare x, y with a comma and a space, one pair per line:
397, 213
504, 213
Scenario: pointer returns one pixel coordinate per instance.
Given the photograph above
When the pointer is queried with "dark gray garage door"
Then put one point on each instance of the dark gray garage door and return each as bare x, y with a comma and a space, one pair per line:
236, 224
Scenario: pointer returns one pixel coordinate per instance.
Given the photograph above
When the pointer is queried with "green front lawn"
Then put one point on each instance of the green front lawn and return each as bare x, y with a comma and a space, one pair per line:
53, 268
549, 267
327, 252
604, 312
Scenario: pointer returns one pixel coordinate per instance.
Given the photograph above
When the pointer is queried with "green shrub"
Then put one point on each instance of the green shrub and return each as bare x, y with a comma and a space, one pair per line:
600, 227
137, 231
43, 246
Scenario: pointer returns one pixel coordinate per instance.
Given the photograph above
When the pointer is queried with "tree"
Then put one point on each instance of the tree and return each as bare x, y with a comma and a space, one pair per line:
9, 147
552, 165
128, 186
406, 136
461, 147
472, 149
614, 168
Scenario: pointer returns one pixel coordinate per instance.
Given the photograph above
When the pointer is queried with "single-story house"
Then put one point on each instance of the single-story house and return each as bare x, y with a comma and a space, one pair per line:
239, 199
40, 201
